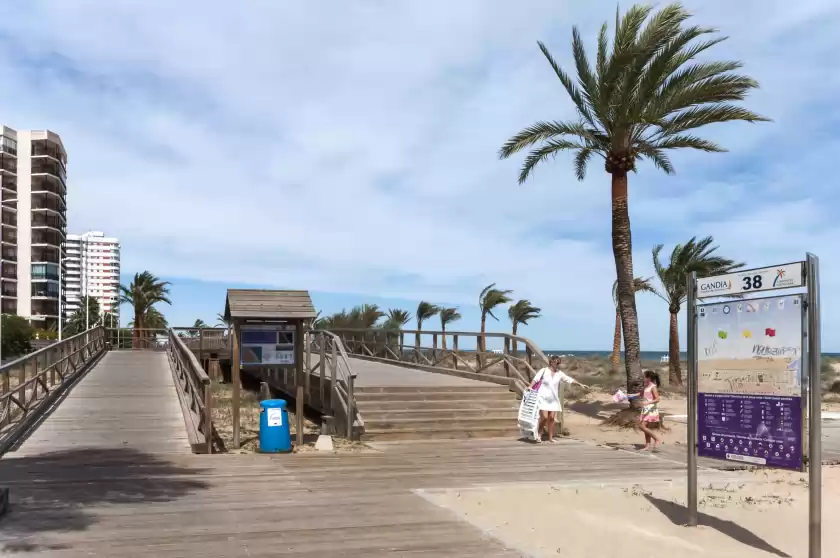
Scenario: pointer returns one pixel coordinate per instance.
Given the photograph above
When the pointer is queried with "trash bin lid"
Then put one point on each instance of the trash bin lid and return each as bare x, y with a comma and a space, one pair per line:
273, 403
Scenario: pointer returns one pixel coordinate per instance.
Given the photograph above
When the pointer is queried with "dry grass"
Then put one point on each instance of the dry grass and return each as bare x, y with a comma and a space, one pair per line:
249, 424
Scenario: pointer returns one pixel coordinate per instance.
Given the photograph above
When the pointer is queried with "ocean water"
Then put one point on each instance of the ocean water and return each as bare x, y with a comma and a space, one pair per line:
646, 355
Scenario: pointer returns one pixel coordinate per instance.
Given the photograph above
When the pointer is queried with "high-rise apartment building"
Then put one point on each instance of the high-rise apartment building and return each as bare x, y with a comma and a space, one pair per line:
33, 181
92, 269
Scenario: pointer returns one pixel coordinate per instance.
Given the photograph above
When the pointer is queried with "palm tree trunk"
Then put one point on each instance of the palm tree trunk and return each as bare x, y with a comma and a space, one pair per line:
675, 374
623, 253
615, 358
443, 339
481, 341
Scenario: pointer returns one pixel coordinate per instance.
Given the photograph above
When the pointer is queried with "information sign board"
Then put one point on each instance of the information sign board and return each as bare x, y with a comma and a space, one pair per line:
267, 345
786, 276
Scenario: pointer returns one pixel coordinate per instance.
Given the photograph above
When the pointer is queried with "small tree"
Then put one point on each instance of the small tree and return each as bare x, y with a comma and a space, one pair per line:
425, 310
16, 337
80, 319
490, 298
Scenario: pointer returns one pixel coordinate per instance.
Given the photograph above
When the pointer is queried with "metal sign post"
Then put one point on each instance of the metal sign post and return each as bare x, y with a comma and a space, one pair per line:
748, 359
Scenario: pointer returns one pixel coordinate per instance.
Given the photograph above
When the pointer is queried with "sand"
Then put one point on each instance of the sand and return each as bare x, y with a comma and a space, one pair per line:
749, 514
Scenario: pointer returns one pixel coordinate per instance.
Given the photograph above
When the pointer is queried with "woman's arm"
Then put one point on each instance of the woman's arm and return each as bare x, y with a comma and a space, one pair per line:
536, 379
569, 380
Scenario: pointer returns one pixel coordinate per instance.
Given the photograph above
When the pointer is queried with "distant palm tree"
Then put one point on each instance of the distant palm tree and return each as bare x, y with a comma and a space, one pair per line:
396, 319
490, 298
143, 292
639, 285
369, 314
220, 320
425, 310
521, 313
447, 316
685, 258
643, 98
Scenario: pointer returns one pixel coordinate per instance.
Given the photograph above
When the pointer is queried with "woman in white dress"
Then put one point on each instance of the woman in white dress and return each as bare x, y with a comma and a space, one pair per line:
548, 394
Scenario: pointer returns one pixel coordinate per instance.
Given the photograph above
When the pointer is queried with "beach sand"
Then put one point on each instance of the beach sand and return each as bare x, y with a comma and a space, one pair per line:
750, 514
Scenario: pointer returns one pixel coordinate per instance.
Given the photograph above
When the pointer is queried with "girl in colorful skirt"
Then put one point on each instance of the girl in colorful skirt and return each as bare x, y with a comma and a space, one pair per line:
650, 412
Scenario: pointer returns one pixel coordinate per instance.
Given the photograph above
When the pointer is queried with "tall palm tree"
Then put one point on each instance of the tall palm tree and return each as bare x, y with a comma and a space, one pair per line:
369, 314
684, 259
447, 316
644, 96
521, 313
490, 298
142, 293
639, 285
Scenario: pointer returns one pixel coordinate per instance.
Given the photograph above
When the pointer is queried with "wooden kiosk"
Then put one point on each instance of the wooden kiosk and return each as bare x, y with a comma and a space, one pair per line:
268, 333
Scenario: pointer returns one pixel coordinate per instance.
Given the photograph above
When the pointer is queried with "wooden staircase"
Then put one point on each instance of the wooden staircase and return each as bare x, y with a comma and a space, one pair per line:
437, 412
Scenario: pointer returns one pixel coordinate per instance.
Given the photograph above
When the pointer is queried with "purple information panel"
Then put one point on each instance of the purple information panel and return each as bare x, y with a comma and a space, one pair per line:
749, 402
757, 429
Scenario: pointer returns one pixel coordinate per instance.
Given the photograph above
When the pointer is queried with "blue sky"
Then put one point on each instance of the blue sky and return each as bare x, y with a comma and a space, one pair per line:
350, 149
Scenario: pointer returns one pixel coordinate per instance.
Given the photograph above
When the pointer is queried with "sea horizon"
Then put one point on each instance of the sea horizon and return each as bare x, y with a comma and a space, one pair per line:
645, 355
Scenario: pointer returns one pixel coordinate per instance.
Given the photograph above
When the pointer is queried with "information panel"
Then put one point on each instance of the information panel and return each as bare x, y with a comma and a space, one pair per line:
750, 381
267, 345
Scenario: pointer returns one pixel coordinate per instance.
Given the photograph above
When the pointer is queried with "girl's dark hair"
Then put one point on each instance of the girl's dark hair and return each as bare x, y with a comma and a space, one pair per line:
653, 376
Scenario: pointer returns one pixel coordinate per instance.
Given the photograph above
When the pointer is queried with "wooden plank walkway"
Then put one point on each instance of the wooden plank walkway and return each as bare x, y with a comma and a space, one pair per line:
128, 400
124, 502
380, 374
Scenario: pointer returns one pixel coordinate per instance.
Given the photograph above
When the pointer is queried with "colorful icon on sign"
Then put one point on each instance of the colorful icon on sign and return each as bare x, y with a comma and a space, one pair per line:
780, 274
770, 332
722, 334
746, 333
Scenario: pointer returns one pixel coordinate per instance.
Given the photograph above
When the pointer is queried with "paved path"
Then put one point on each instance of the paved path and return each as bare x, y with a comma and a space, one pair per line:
128, 400
379, 374
128, 503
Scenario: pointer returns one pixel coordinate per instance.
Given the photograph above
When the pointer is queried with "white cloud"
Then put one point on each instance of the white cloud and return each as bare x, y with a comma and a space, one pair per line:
340, 146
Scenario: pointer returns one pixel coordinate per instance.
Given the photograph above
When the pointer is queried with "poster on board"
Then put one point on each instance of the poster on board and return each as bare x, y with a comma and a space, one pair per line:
267, 345
749, 357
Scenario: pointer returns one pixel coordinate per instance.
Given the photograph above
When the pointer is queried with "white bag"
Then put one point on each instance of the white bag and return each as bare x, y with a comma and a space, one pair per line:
529, 415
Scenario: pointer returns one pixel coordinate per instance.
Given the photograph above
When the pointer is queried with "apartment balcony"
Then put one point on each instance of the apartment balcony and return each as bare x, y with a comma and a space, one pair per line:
44, 272
44, 307
48, 165
44, 147
49, 202
45, 291
9, 272
8, 163
9, 289
43, 219
9, 254
47, 183
9, 306
8, 235
9, 185
48, 237
46, 254
8, 145
9, 217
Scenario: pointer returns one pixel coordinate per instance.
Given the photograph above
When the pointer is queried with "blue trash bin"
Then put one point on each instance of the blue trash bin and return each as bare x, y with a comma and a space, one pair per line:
275, 436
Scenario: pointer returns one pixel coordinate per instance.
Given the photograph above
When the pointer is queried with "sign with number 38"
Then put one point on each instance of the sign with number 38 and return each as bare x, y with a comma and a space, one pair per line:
785, 276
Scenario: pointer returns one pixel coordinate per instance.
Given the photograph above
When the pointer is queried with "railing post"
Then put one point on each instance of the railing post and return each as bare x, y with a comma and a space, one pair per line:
333, 373
201, 346
402, 342
455, 351
208, 417
322, 365
307, 380
351, 412
434, 348
506, 353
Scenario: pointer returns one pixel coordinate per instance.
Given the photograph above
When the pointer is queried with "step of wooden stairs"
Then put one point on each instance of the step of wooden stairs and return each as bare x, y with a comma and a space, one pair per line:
437, 412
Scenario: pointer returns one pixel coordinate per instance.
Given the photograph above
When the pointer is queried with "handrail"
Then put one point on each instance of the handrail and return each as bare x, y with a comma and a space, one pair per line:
342, 398
41, 377
194, 391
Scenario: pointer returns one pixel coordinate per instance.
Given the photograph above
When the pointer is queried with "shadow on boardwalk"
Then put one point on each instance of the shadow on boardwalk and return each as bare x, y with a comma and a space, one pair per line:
57, 492
678, 515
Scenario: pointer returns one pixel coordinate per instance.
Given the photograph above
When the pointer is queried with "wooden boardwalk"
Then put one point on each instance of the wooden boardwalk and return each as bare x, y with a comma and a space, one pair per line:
381, 374
129, 503
128, 400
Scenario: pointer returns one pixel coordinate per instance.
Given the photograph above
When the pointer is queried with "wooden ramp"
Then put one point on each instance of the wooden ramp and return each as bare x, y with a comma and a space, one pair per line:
127, 503
127, 401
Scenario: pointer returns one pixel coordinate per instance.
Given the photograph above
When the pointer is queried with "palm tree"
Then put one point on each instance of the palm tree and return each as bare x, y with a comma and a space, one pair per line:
425, 310
110, 320
220, 319
447, 316
639, 285
396, 319
643, 97
521, 313
489, 298
196, 327
684, 259
144, 291
86, 315
369, 314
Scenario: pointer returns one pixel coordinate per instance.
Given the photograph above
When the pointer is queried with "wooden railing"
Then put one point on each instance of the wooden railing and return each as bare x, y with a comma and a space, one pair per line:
194, 392
328, 361
138, 339
517, 359
30, 384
